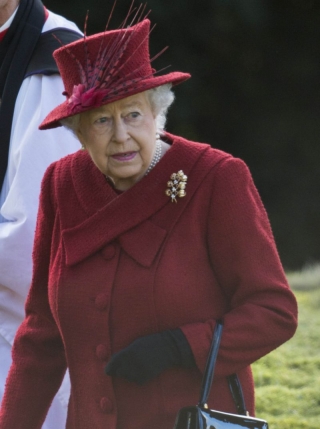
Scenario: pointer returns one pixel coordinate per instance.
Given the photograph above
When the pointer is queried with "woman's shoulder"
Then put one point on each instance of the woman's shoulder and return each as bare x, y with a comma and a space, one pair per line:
59, 175
67, 163
210, 156
224, 168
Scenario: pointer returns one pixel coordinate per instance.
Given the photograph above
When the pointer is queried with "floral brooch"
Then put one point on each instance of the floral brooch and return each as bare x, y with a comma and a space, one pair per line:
177, 186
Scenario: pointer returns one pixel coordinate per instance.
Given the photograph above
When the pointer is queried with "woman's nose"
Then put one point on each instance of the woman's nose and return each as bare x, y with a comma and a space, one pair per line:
120, 132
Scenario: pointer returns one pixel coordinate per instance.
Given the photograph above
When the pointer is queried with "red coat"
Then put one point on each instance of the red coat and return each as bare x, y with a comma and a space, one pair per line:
109, 268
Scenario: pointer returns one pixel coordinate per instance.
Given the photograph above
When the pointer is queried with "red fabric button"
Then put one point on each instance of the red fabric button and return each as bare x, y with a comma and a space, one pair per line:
102, 352
101, 301
106, 405
108, 252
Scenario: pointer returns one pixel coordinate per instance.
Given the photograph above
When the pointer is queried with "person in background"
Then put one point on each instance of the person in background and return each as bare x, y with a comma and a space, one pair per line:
144, 240
30, 87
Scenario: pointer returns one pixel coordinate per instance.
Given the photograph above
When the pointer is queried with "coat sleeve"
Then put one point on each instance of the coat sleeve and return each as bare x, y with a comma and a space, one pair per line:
262, 310
38, 355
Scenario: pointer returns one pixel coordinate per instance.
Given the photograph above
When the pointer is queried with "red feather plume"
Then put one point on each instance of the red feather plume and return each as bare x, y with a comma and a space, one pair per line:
100, 78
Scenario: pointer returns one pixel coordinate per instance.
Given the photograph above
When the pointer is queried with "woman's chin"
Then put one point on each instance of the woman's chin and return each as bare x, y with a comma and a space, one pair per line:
126, 179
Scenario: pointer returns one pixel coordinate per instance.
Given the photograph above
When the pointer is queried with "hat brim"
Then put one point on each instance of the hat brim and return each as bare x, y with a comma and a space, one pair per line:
62, 111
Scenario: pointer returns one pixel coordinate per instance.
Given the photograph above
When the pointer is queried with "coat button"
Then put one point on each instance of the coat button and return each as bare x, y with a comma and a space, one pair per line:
108, 252
106, 405
102, 352
101, 301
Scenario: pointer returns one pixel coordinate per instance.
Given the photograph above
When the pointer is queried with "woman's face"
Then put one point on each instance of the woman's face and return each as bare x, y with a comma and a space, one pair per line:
120, 138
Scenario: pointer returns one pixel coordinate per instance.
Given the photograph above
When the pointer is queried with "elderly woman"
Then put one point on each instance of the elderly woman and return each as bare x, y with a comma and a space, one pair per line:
144, 239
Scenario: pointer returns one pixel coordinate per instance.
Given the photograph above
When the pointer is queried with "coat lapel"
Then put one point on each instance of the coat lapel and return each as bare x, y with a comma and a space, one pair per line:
144, 236
109, 216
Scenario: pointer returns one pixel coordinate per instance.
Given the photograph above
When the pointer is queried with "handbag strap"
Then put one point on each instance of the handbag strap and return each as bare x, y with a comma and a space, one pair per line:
210, 365
233, 380
237, 394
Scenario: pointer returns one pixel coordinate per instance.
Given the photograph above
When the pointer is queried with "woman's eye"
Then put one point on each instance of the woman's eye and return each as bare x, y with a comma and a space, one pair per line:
102, 120
134, 115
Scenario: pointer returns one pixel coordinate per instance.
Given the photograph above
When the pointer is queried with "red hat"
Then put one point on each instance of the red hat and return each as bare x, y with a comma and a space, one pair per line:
106, 67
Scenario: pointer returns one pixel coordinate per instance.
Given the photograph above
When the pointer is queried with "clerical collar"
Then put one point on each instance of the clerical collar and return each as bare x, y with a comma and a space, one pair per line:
4, 28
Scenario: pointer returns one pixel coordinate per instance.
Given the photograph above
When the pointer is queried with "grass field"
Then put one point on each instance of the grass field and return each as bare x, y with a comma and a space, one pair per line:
288, 379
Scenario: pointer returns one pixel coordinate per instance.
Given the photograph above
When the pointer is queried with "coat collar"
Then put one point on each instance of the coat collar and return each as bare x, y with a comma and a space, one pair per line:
109, 216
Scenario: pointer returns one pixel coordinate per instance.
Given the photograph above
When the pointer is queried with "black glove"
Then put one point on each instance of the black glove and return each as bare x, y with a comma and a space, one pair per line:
148, 356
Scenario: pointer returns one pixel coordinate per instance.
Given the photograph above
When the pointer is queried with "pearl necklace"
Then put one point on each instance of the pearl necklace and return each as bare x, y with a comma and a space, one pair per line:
156, 158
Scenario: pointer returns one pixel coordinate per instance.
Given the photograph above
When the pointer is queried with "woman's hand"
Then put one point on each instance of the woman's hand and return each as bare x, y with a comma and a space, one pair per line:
148, 356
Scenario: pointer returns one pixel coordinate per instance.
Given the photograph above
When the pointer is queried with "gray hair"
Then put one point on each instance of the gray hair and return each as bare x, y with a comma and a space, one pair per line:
160, 99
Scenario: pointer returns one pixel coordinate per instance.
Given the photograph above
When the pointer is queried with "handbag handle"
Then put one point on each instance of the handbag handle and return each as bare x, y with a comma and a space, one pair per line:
233, 380
210, 365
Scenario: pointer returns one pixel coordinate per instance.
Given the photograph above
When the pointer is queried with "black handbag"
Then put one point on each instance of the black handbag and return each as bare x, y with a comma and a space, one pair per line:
201, 417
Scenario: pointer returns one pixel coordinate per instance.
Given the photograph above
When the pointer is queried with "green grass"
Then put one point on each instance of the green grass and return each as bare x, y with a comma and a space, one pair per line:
288, 379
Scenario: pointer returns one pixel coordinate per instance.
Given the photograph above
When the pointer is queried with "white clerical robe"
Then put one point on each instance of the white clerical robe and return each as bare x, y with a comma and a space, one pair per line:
30, 153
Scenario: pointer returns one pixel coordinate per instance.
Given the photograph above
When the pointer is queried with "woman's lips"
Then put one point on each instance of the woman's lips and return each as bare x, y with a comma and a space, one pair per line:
126, 156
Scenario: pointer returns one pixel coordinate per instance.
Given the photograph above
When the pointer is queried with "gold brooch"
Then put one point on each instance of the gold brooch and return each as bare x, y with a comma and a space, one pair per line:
177, 186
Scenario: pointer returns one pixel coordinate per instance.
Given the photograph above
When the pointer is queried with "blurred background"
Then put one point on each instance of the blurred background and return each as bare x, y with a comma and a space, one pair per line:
254, 93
